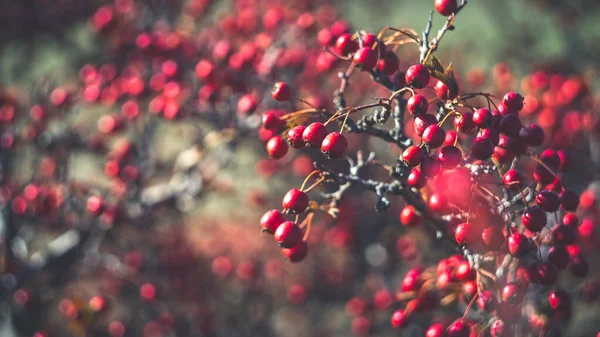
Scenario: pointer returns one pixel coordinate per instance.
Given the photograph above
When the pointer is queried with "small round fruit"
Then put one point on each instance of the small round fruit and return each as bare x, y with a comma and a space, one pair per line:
548, 201
277, 148
409, 216
416, 179
400, 319
296, 253
559, 300
534, 219
288, 234
295, 200
431, 167
459, 329
422, 122
482, 148
443, 92
517, 244
271, 121
436, 330
533, 135
462, 233
413, 156
271, 220
389, 63
294, 137
345, 45
513, 100
569, 200
281, 91
417, 76
449, 156
446, 7
366, 58
314, 134
434, 136
482, 118
417, 105
334, 145
513, 294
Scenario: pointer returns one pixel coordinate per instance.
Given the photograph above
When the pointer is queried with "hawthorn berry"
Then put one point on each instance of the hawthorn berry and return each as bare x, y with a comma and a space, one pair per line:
513, 179
295, 200
493, 238
434, 136
410, 217
281, 91
422, 122
438, 203
417, 105
449, 157
559, 300
277, 147
534, 219
513, 101
482, 118
389, 63
518, 244
465, 122
443, 92
271, 121
446, 7
314, 134
482, 148
436, 330
417, 76
294, 137
558, 257
487, 301
510, 125
564, 234
569, 200
345, 45
513, 294
271, 220
288, 234
533, 135
459, 329
400, 319
413, 156
416, 179
334, 145
366, 58
497, 329
548, 201
462, 233
297, 253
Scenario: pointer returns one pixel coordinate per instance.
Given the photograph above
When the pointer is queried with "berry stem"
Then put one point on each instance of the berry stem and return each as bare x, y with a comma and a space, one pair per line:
308, 177
471, 304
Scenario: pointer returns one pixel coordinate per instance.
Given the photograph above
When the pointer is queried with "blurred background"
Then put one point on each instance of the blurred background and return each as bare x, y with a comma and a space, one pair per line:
137, 209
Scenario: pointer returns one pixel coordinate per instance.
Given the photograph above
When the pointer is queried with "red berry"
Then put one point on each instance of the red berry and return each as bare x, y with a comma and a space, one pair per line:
569, 200
422, 122
295, 200
412, 281
271, 121
513, 294
296, 253
534, 219
295, 137
366, 58
413, 155
487, 301
550, 158
451, 137
434, 136
459, 329
513, 179
438, 203
389, 63
513, 101
482, 118
462, 233
436, 330
482, 148
497, 329
409, 216
571, 220
510, 125
465, 122
271, 220
443, 92
314, 134
517, 244
449, 156
345, 45
542, 175
559, 300
417, 105
464, 272
281, 91
247, 104
548, 201
277, 147
288, 234
417, 76
533, 135
416, 179
334, 145
431, 167
400, 319
368, 40
564, 234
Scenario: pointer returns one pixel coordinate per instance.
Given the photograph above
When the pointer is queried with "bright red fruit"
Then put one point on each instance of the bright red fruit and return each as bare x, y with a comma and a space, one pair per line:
314, 134
296, 253
400, 319
345, 45
417, 105
417, 76
294, 137
334, 145
277, 147
443, 92
413, 155
288, 234
409, 216
271, 220
517, 244
445, 7
434, 136
449, 156
459, 329
295, 200
366, 58
534, 219
281, 91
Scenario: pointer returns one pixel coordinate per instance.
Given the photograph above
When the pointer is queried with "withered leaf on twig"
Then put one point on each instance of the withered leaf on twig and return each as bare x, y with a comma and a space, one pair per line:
445, 75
